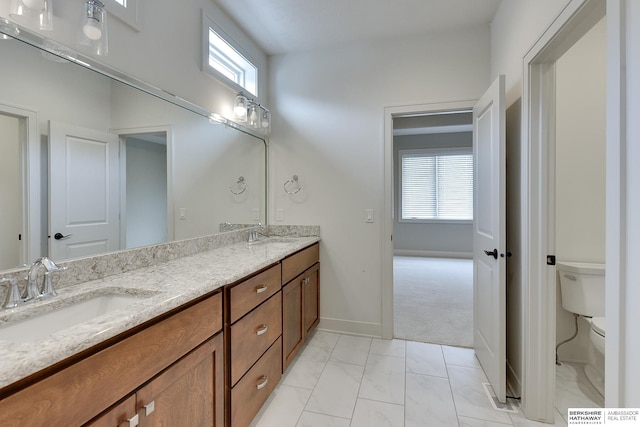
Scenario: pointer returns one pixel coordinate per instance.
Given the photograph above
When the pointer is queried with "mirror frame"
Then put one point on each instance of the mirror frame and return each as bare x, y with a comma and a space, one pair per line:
37, 41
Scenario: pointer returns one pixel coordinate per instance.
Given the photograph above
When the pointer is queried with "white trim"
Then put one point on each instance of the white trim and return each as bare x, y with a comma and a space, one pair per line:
433, 254
387, 214
538, 279
351, 327
130, 15
31, 173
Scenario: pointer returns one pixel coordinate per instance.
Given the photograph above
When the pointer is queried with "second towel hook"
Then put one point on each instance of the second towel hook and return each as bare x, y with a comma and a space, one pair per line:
241, 186
292, 186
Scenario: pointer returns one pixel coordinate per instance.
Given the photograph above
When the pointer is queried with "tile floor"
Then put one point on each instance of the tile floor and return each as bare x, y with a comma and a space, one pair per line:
348, 381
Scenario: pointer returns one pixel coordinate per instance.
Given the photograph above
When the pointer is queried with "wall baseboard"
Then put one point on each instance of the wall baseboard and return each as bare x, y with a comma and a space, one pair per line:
350, 327
433, 254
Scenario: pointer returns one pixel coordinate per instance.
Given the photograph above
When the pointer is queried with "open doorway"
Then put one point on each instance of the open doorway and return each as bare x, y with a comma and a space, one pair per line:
432, 227
145, 177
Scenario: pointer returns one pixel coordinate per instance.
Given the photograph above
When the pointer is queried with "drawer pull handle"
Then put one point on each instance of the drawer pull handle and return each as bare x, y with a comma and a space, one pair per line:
263, 382
262, 329
149, 408
133, 421
260, 289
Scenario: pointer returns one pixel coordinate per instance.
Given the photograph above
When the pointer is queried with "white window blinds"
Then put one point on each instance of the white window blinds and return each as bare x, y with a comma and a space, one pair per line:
436, 185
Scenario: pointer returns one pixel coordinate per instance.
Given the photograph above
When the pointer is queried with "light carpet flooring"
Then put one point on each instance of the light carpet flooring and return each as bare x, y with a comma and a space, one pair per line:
433, 300
347, 381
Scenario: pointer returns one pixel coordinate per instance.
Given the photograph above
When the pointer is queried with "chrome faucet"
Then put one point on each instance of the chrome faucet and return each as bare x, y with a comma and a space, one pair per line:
254, 233
32, 291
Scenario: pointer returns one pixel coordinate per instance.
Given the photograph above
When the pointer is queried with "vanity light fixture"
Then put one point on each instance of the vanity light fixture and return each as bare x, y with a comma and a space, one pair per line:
34, 12
249, 111
240, 108
94, 27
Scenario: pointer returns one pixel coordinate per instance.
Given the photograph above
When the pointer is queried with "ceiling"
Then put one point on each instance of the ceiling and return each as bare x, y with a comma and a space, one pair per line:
284, 26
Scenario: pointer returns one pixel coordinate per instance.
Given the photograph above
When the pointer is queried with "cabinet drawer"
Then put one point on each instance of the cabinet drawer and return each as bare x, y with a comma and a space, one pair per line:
253, 334
299, 262
253, 291
248, 396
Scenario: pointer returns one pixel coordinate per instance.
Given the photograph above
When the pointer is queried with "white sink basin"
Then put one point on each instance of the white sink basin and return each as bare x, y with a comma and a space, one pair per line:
42, 325
274, 242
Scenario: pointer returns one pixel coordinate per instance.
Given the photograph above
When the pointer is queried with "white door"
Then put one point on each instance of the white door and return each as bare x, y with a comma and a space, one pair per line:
489, 240
83, 192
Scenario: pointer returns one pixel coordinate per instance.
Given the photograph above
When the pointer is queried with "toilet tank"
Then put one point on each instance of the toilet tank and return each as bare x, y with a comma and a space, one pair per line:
582, 287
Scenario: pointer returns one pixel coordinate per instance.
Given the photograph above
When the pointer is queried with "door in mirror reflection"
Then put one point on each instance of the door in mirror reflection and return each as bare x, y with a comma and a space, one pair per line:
84, 196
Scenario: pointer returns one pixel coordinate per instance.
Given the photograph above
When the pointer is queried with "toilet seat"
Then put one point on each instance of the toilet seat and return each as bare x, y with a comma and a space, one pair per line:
598, 325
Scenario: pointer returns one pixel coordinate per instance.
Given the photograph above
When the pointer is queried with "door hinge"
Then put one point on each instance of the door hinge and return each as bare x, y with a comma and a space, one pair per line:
551, 260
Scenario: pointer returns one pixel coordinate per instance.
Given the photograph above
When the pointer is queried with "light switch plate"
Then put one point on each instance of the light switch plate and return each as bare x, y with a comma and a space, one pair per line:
368, 215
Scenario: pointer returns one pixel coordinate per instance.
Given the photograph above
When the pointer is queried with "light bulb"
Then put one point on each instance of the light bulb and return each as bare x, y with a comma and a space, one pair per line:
240, 111
92, 29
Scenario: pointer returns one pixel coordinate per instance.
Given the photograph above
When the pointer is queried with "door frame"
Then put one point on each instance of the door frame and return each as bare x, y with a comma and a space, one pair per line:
388, 213
31, 169
537, 204
123, 133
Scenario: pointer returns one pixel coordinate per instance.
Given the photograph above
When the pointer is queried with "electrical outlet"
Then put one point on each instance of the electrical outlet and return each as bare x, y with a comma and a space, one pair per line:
279, 214
256, 214
183, 213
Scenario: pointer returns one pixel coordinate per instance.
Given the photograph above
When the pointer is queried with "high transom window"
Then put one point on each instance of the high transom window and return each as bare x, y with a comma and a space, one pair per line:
223, 59
436, 185
125, 10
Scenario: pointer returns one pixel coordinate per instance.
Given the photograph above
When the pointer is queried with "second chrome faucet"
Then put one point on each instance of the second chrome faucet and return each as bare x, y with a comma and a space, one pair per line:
39, 284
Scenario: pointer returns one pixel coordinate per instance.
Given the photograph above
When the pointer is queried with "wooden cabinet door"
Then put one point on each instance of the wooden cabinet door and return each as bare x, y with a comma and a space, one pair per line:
292, 331
189, 393
311, 298
121, 415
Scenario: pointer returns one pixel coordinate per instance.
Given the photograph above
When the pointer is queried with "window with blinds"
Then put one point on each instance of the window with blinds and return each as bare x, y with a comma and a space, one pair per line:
436, 185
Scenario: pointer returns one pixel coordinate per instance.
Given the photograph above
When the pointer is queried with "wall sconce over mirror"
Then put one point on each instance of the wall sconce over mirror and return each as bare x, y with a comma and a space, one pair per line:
37, 13
94, 27
248, 111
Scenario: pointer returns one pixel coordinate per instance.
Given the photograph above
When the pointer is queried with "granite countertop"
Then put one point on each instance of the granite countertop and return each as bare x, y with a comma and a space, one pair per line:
159, 289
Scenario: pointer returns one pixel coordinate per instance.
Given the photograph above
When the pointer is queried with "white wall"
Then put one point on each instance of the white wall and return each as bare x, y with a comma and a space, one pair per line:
328, 129
515, 28
430, 239
580, 169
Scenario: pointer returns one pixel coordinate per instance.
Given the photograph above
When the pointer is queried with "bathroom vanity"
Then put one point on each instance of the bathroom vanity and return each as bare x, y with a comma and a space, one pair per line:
204, 328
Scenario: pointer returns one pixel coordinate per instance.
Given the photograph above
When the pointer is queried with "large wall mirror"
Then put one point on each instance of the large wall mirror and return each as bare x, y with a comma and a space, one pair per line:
91, 164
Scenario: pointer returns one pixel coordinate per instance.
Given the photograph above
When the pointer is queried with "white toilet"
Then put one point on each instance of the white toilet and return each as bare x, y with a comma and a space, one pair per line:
582, 289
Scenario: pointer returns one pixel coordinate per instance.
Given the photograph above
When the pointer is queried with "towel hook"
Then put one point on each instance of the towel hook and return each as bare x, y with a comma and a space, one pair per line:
241, 185
292, 186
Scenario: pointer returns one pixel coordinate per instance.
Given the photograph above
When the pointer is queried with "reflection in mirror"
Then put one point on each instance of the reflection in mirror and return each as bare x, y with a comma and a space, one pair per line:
91, 165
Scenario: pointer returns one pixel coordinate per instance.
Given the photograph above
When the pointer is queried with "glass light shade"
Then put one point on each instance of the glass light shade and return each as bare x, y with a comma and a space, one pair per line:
240, 109
33, 13
254, 116
265, 122
94, 28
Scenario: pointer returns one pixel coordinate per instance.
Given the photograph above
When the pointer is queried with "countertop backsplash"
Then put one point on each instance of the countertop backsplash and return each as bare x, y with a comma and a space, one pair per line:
97, 267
